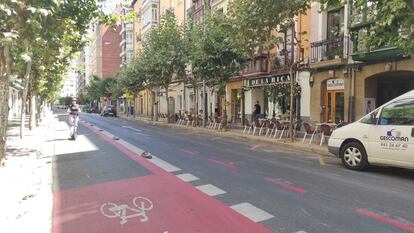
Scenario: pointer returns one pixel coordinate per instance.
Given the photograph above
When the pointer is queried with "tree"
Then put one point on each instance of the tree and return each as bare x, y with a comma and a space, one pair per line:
220, 59
27, 28
165, 54
193, 40
391, 21
254, 22
255, 27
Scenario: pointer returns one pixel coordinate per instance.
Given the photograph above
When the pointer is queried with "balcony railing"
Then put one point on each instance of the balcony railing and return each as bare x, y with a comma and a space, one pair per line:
324, 50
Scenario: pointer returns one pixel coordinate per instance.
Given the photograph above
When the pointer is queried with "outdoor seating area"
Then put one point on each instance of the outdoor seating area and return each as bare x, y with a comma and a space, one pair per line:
318, 133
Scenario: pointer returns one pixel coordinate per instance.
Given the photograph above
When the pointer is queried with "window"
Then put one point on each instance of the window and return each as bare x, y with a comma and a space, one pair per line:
370, 118
335, 23
400, 112
154, 13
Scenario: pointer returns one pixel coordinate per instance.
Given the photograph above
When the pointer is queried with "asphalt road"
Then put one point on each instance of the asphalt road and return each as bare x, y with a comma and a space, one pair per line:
281, 189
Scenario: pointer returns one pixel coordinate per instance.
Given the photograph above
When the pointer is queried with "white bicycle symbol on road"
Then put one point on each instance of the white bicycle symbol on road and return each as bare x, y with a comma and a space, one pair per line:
142, 204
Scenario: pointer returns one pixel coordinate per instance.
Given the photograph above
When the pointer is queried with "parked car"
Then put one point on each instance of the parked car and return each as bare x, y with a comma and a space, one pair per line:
108, 111
384, 136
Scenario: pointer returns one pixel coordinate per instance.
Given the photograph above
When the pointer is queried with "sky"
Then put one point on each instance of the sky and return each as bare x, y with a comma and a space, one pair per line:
109, 5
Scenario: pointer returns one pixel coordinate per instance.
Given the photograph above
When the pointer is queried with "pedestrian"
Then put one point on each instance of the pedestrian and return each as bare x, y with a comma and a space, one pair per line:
200, 114
73, 111
257, 110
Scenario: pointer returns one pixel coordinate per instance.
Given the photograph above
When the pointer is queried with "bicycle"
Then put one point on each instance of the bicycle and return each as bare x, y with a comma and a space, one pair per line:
142, 204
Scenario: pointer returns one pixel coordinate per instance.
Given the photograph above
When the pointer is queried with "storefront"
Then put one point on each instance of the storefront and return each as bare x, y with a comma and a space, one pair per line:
347, 94
234, 99
272, 93
329, 96
377, 84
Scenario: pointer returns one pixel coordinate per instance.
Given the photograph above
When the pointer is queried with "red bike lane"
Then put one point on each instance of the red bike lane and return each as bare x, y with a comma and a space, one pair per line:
156, 203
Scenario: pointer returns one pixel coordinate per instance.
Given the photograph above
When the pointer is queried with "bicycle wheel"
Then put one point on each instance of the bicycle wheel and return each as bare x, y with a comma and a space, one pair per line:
142, 203
106, 210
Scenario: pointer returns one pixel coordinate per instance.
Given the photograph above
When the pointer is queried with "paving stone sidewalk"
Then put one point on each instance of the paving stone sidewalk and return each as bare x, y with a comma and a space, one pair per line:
26, 196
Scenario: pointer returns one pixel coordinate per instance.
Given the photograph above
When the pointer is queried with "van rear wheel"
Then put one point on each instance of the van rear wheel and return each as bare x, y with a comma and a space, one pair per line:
353, 156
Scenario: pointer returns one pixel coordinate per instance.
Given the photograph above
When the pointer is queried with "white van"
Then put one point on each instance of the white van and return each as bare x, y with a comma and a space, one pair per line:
384, 136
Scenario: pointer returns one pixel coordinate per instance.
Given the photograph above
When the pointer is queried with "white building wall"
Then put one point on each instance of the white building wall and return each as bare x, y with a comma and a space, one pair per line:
303, 80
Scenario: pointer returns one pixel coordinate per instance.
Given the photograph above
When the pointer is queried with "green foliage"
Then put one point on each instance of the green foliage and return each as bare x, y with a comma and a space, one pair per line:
220, 59
99, 88
254, 21
133, 77
29, 27
65, 100
165, 52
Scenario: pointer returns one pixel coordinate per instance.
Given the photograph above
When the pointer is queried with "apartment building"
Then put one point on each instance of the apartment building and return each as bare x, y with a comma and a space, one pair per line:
127, 37
150, 15
348, 78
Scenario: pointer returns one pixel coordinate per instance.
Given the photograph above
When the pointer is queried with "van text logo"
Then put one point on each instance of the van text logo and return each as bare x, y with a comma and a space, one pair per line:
395, 136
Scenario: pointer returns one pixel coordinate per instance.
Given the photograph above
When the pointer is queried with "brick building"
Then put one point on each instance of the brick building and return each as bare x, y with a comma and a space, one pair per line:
110, 60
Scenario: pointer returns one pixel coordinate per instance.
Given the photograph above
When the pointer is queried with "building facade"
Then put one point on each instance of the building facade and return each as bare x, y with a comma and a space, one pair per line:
127, 37
349, 79
338, 79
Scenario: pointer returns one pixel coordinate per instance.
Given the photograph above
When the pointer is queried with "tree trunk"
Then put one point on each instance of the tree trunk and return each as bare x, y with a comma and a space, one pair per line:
31, 103
135, 105
195, 109
5, 72
168, 104
184, 106
292, 94
38, 112
24, 96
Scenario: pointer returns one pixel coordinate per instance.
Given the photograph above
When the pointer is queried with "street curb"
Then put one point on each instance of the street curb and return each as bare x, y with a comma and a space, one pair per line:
233, 135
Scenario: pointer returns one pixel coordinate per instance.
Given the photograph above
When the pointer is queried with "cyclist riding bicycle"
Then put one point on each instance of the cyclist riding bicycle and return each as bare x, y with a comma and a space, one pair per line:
73, 110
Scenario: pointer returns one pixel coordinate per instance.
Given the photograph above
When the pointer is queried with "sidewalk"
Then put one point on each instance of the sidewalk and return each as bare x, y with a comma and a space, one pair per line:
238, 133
27, 179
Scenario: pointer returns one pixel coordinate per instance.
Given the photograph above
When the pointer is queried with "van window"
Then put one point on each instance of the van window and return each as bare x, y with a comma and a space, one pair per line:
370, 118
400, 112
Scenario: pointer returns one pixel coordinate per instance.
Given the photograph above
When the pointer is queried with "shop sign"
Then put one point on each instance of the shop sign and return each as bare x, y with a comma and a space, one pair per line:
265, 81
335, 84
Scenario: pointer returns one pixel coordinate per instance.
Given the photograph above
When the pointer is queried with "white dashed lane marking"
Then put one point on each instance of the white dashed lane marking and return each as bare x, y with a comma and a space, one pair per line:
155, 160
252, 212
210, 190
246, 209
187, 177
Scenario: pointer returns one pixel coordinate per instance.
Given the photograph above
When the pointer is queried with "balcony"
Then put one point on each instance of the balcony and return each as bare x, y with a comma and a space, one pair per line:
331, 52
364, 53
256, 66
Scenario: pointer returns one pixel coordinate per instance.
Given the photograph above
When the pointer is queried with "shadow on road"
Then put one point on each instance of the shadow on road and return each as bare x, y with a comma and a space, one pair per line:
402, 173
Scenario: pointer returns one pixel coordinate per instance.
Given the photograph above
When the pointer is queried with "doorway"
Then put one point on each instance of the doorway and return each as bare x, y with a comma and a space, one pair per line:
334, 106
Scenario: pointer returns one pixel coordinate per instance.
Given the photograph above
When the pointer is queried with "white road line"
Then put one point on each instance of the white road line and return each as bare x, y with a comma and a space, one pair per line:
210, 190
155, 160
164, 165
131, 128
131, 147
136, 131
252, 212
187, 177
300, 232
